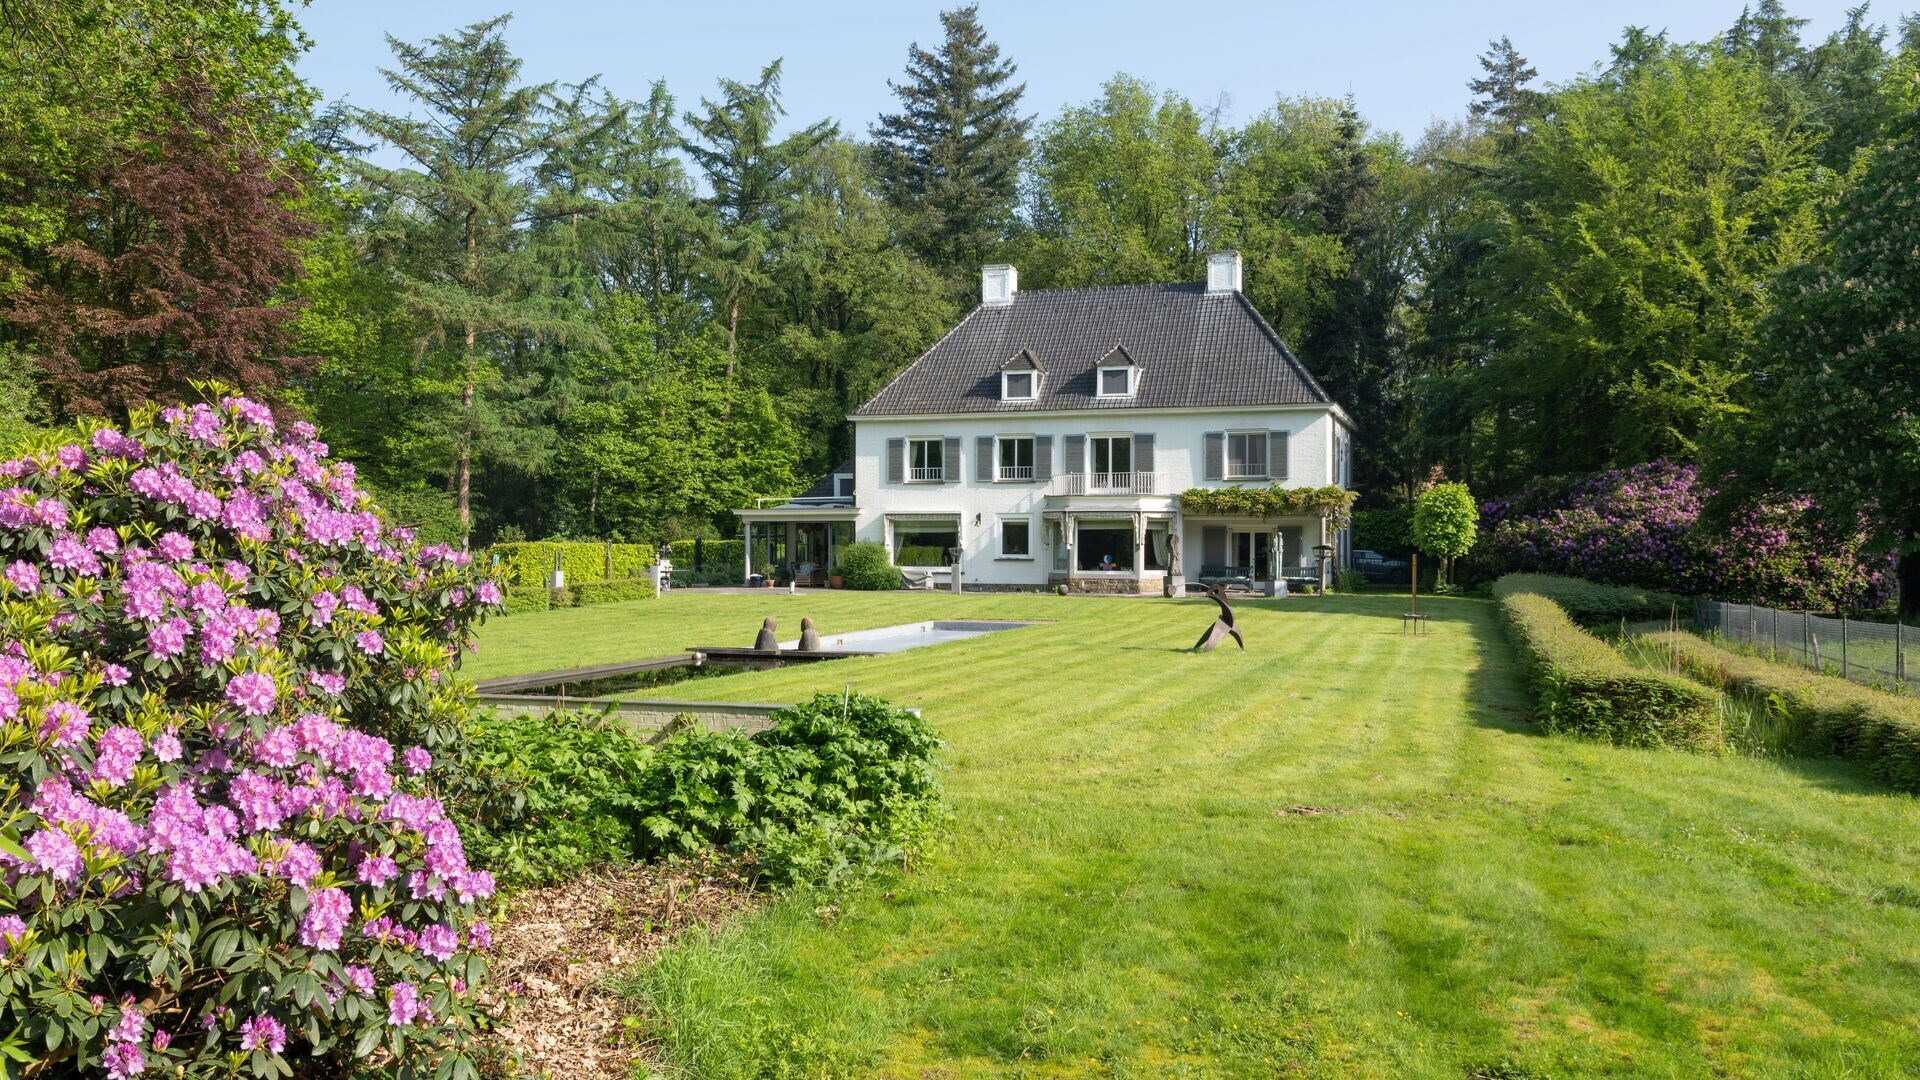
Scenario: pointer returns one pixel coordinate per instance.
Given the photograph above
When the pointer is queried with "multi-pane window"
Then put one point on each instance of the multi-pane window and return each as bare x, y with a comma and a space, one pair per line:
1016, 457
1017, 385
1246, 454
926, 460
1016, 538
1112, 456
1116, 382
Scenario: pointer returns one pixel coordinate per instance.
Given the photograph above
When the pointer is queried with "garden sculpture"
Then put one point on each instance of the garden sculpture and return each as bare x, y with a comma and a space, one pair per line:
766, 642
1222, 625
809, 637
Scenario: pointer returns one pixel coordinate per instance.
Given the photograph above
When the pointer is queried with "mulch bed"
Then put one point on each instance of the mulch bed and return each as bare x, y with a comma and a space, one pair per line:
556, 948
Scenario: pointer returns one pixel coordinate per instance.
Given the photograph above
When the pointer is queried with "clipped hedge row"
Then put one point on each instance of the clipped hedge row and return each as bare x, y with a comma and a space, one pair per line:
1879, 730
1591, 604
1583, 686
612, 592
527, 564
729, 556
865, 566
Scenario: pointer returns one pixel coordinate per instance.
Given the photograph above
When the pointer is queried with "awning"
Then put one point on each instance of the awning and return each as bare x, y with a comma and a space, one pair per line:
799, 513
931, 519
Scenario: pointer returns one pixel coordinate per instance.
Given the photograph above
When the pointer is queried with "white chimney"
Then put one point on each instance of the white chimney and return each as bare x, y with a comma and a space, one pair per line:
1223, 272
998, 284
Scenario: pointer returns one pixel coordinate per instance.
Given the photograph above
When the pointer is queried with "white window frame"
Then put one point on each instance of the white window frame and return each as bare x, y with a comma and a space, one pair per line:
1100, 382
922, 475
1001, 537
1006, 386
1000, 468
1124, 438
1255, 438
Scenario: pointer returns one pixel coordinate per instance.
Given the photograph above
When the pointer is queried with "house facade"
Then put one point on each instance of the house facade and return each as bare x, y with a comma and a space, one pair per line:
1047, 438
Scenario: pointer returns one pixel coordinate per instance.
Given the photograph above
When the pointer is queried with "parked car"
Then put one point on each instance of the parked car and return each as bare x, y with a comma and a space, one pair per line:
1380, 570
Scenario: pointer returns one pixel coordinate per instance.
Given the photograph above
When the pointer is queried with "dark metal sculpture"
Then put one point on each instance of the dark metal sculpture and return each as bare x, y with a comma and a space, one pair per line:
1222, 625
809, 637
766, 642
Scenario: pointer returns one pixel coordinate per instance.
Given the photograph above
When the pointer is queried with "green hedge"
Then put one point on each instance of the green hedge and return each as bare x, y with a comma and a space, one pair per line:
1593, 605
521, 600
865, 566
727, 556
528, 563
1879, 730
1388, 531
922, 555
1584, 686
610, 592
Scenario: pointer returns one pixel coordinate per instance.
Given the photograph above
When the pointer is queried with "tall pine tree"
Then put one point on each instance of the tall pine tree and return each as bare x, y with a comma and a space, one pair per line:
949, 160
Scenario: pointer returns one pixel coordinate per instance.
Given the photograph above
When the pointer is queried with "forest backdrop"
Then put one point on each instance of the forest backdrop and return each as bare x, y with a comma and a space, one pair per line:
541, 310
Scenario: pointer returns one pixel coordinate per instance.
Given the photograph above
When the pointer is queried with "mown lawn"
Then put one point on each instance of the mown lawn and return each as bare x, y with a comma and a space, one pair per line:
1343, 853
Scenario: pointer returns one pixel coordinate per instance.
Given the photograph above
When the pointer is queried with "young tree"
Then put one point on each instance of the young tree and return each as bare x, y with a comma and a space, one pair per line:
950, 159
1843, 350
456, 224
1445, 522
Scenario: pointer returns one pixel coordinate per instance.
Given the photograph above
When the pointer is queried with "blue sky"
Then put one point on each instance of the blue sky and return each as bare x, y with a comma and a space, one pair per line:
1405, 63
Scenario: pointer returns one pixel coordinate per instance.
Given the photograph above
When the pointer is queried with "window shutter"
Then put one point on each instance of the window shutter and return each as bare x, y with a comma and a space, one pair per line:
950, 468
983, 459
1277, 454
1215, 467
1043, 457
1142, 452
896, 461
1076, 454
1213, 545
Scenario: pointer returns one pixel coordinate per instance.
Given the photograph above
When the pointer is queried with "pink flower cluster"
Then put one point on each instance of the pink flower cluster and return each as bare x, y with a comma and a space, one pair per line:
198, 741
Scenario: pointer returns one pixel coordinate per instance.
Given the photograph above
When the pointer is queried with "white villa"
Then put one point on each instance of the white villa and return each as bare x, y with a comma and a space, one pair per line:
1046, 439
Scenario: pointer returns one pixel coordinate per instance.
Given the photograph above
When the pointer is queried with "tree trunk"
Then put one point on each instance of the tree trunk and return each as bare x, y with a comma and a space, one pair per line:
1908, 575
733, 332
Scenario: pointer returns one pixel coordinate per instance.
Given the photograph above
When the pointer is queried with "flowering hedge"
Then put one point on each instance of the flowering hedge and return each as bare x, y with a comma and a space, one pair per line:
1333, 502
1646, 526
225, 707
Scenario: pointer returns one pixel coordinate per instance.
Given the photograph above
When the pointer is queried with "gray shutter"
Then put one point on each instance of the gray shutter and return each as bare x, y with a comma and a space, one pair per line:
1215, 466
896, 461
1213, 545
1142, 452
1076, 454
950, 469
1043, 457
1277, 454
983, 459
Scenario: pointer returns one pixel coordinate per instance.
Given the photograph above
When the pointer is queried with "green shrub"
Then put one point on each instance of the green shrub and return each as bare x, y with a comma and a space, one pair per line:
865, 566
1590, 604
1349, 581
573, 780
522, 599
1584, 686
610, 592
1877, 729
529, 564
835, 787
725, 558
922, 555
561, 597
1387, 531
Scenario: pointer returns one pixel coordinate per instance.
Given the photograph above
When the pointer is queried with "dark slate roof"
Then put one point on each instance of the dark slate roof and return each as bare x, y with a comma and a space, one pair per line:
1193, 349
823, 488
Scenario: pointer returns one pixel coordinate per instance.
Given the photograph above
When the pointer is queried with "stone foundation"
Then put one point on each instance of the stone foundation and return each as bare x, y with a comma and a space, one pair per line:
1103, 586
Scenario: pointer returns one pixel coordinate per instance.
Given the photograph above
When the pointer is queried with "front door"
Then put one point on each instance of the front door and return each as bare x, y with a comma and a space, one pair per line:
1249, 551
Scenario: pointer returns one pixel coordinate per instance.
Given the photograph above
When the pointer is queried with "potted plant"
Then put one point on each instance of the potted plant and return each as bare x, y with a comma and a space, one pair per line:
836, 581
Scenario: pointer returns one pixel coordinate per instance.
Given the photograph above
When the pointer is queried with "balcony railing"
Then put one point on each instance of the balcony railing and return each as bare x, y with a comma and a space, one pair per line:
927, 476
1016, 472
1106, 483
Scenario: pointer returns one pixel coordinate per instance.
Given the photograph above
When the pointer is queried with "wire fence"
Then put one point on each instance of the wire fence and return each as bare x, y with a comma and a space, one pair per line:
1867, 652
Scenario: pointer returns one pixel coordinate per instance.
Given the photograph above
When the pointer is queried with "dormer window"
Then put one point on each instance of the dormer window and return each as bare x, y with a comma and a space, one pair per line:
1020, 376
1118, 375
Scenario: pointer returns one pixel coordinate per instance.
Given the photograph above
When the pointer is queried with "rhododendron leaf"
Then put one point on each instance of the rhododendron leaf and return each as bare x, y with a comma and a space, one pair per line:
10, 844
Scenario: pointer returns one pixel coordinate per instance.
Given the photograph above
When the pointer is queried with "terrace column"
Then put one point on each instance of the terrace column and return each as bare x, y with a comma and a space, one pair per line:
1072, 534
1139, 551
746, 551
1274, 549
1176, 571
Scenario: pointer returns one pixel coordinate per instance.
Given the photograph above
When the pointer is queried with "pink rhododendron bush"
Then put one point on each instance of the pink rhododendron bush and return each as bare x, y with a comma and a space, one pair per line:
227, 714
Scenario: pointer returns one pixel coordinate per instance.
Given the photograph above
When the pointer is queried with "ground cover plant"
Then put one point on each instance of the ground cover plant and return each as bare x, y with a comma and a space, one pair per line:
227, 716
1583, 686
1283, 863
1877, 729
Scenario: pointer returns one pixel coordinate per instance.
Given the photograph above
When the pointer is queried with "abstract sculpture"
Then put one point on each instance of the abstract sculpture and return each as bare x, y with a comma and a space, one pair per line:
809, 637
1222, 625
766, 642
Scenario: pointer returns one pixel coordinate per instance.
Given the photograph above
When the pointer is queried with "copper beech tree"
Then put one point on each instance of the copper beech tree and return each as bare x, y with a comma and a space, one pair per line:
167, 270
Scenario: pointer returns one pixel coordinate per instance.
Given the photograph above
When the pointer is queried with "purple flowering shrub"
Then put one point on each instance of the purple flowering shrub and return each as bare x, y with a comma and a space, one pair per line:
227, 721
1646, 526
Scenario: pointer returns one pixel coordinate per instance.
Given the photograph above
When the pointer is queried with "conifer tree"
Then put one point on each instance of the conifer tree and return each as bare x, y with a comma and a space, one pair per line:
949, 160
1502, 94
